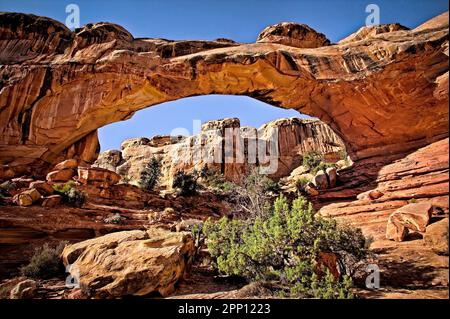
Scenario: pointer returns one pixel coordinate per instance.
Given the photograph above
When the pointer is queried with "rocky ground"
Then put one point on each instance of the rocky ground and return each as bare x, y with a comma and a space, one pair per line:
414, 265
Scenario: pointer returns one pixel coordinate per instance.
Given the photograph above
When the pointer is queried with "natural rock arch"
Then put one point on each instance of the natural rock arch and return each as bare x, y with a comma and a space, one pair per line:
384, 90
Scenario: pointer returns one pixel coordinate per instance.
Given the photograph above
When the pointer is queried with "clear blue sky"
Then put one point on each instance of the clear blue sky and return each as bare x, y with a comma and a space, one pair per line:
239, 20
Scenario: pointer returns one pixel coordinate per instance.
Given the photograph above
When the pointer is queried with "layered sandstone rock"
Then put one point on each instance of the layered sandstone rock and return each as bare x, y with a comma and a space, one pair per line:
99, 177
293, 34
43, 187
369, 32
385, 94
63, 175
382, 94
227, 149
67, 164
130, 263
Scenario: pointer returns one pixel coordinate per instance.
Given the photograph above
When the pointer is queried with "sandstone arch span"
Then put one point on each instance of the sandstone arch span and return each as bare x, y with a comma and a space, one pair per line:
383, 89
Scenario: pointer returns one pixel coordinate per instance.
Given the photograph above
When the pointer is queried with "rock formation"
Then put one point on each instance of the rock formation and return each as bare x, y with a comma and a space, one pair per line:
293, 138
411, 217
130, 263
383, 93
383, 90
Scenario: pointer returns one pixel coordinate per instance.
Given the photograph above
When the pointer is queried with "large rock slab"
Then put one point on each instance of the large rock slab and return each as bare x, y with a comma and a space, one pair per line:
130, 263
414, 217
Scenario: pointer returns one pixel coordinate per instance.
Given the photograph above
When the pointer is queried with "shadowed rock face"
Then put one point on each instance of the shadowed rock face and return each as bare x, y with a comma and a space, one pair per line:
383, 94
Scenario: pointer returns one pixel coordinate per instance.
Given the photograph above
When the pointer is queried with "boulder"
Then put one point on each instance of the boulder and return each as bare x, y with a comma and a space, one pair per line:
395, 230
67, 164
27, 197
370, 195
96, 176
43, 187
52, 201
293, 34
414, 217
436, 236
321, 180
25, 289
332, 176
344, 163
63, 175
311, 190
130, 262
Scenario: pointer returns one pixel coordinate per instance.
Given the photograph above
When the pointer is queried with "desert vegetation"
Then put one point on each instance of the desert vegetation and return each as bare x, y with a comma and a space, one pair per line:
70, 195
314, 162
150, 174
187, 183
284, 243
45, 262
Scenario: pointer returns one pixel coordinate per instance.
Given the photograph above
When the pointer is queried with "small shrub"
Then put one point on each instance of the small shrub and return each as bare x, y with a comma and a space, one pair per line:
185, 182
226, 186
150, 175
45, 263
75, 198
255, 194
301, 183
311, 159
220, 183
64, 188
412, 201
322, 166
70, 194
283, 246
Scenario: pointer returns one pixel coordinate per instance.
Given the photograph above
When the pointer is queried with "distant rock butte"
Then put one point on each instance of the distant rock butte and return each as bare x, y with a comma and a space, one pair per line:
295, 137
383, 93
